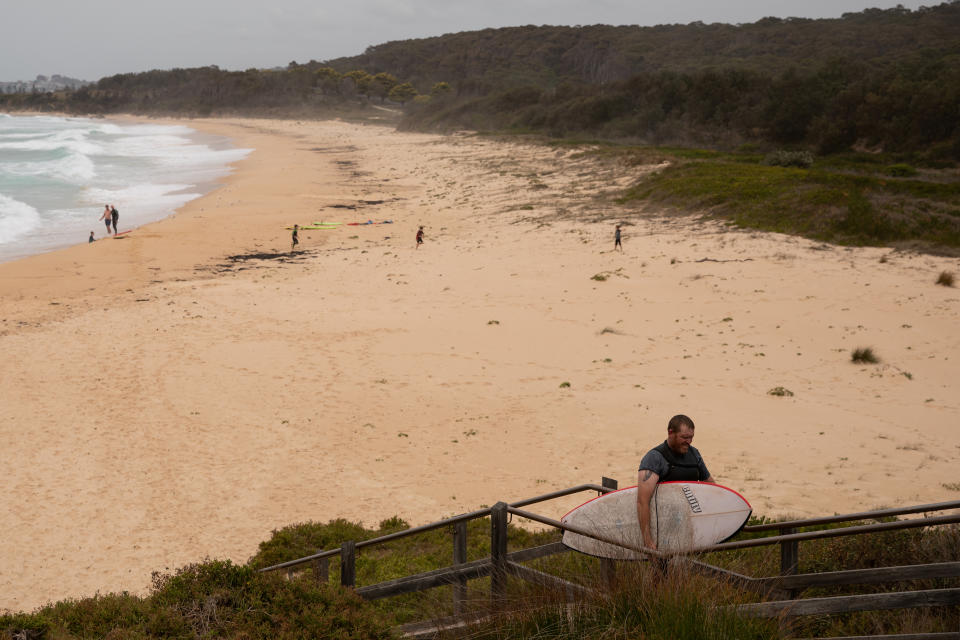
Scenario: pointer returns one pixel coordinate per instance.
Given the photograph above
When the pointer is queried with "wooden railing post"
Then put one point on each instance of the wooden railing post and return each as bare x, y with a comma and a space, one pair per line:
459, 557
321, 570
608, 568
789, 554
498, 553
348, 563
789, 566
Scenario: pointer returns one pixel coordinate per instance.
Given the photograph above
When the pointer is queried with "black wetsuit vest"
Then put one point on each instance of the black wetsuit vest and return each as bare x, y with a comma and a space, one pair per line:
679, 470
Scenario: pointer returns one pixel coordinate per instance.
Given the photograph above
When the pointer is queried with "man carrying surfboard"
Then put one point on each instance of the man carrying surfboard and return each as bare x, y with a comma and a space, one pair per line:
673, 460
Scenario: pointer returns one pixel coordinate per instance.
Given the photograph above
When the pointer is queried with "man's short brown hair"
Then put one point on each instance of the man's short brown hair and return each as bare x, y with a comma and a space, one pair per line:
679, 421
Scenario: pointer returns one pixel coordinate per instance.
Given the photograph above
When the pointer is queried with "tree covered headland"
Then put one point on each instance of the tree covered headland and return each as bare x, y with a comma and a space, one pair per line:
878, 79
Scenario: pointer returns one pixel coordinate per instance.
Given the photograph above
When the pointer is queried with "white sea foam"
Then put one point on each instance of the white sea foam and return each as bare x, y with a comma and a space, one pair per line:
143, 196
75, 168
72, 141
16, 219
57, 173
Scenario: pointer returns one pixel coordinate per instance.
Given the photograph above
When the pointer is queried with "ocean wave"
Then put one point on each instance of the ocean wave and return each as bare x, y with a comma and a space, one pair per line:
57, 173
145, 129
73, 168
151, 197
16, 219
20, 136
70, 140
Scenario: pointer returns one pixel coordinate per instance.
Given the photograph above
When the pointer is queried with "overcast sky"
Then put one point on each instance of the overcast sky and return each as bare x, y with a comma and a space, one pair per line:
89, 39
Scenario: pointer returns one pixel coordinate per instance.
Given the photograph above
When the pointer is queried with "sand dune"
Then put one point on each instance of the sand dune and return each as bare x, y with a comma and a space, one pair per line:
161, 402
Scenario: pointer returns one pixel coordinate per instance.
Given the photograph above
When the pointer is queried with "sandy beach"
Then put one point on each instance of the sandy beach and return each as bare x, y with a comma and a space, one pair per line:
161, 402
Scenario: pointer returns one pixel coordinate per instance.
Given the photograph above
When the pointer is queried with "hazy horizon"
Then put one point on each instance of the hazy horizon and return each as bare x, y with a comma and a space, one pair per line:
100, 38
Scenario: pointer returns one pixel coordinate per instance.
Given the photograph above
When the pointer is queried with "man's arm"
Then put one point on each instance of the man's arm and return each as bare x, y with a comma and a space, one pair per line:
646, 485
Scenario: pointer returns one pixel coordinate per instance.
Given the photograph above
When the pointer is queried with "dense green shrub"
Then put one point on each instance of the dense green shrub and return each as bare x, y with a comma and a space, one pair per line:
863, 355
901, 170
782, 158
845, 198
210, 599
219, 599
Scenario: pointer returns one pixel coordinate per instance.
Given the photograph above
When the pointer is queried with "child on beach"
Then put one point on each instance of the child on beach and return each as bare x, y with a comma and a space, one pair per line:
295, 238
419, 237
92, 239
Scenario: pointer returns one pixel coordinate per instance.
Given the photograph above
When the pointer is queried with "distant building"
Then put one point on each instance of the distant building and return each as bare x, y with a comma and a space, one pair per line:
43, 84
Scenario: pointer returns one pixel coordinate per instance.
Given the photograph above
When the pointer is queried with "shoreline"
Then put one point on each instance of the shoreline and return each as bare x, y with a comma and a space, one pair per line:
201, 178
171, 404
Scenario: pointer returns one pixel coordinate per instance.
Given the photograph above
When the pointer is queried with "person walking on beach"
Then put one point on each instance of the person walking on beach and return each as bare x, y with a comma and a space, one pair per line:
114, 215
295, 238
616, 240
419, 237
107, 217
672, 460
92, 239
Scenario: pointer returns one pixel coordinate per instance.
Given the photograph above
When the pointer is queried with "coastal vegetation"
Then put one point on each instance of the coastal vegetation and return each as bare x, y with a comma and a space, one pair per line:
842, 130
845, 198
863, 355
877, 79
217, 598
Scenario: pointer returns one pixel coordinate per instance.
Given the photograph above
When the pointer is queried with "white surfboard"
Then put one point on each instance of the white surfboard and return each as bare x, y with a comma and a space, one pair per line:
684, 516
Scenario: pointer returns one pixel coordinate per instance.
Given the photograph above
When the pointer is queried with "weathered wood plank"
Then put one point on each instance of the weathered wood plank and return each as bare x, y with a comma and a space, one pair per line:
847, 604
525, 555
863, 515
710, 569
459, 558
498, 552
426, 580
547, 580
945, 635
348, 563
321, 570
431, 628
453, 574
718, 572
832, 533
608, 567
863, 576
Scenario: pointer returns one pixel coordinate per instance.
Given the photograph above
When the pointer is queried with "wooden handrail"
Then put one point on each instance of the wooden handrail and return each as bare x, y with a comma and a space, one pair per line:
501, 561
450, 575
848, 604
833, 533
863, 515
439, 524
876, 575
755, 542
810, 535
